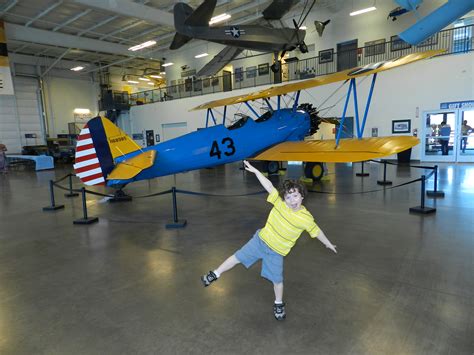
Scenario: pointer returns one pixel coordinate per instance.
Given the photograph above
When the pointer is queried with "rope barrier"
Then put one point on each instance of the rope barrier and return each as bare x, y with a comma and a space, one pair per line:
363, 192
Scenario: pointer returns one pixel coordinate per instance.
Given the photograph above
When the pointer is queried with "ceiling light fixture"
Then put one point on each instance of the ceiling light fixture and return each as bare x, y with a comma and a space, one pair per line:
363, 11
162, 72
143, 79
82, 111
141, 46
151, 83
219, 18
201, 55
303, 28
167, 64
156, 76
77, 68
132, 82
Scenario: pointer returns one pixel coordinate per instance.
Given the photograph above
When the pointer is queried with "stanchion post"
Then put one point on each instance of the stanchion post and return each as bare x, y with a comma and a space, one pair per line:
384, 181
422, 209
86, 219
53, 206
362, 172
435, 193
177, 223
71, 194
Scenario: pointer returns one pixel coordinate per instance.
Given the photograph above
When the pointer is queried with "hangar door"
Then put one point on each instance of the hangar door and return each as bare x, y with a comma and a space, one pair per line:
20, 118
173, 130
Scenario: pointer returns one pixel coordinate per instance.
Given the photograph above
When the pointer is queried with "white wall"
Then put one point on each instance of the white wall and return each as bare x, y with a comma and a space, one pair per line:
399, 94
63, 95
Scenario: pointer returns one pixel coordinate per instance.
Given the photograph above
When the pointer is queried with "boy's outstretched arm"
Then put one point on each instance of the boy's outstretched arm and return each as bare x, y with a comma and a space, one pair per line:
326, 242
267, 184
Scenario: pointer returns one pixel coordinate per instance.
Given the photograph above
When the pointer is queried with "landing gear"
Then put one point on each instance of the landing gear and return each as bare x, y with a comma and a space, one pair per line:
303, 48
271, 167
120, 196
314, 171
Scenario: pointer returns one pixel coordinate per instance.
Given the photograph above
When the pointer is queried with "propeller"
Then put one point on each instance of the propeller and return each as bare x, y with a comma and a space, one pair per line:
301, 45
315, 119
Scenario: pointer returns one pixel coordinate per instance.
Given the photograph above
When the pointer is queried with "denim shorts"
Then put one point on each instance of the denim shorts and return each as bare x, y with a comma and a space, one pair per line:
256, 249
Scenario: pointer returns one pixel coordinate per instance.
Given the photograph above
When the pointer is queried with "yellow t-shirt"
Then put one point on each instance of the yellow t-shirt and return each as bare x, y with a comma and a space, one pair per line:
284, 226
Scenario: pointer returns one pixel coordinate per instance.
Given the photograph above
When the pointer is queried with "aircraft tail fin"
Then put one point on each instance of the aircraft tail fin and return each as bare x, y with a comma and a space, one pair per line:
202, 15
179, 40
98, 144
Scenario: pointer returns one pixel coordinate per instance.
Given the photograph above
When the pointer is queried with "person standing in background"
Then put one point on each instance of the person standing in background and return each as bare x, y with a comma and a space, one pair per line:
3, 159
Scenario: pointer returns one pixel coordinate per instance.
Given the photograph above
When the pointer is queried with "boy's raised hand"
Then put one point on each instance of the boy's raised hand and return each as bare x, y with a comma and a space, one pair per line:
249, 167
332, 247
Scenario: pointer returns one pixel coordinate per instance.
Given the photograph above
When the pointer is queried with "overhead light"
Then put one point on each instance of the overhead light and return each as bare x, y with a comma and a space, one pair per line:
162, 72
303, 28
201, 55
82, 111
363, 11
151, 83
167, 64
143, 79
143, 45
132, 82
219, 18
77, 68
156, 76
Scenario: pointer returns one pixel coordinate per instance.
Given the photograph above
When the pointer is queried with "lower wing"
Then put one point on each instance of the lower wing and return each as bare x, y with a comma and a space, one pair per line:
348, 150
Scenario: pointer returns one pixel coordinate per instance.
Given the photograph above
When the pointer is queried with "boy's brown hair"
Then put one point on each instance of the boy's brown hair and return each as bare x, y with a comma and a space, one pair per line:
292, 185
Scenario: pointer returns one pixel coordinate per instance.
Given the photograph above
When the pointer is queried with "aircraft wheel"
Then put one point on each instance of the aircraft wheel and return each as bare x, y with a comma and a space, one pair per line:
314, 171
275, 67
272, 167
303, 48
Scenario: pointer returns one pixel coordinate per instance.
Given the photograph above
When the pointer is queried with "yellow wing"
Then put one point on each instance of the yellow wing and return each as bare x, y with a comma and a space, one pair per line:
349, 150
322, 80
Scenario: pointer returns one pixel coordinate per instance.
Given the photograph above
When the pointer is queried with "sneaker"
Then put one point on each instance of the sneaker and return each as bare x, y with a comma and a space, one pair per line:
279, 311
208, 278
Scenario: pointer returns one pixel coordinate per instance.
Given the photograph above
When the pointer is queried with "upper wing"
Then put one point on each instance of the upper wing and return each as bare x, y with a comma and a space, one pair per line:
277, 9
349, 150
323, 80
219, 61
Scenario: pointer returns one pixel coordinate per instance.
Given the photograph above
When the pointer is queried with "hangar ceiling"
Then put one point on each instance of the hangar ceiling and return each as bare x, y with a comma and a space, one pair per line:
98, 33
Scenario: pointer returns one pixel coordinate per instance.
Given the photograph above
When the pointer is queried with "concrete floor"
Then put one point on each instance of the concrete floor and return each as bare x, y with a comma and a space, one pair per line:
400, 284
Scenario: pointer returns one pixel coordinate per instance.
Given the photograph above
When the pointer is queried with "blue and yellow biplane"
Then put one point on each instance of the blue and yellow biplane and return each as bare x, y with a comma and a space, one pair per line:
106, 155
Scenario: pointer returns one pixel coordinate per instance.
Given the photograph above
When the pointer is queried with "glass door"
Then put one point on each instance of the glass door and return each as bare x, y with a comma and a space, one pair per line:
465, 136
438, 136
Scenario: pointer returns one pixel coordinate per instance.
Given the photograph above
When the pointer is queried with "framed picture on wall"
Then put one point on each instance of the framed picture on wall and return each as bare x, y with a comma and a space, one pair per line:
239, 74
206, 82
215, 81
397, 44
374, 47
251, 72
326, 56
263, 69
401, 126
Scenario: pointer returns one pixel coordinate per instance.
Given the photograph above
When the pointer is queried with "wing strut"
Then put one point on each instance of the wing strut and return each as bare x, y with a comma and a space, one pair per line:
295, 104
352, 88
209, 112
251, 109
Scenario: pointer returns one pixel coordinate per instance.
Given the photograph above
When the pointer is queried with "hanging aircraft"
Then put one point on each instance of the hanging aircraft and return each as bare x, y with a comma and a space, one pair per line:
106, 155
191, 24
435, 21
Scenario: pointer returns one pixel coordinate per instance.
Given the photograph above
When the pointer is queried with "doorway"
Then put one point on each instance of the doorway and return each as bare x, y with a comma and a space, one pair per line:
448, 135
227, 80
347, 55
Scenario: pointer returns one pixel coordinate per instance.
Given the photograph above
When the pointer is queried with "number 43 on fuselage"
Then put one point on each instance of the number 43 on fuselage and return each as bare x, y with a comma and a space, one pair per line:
106, 155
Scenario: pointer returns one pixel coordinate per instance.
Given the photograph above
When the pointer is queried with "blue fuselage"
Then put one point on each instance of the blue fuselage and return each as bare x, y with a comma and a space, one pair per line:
218, 145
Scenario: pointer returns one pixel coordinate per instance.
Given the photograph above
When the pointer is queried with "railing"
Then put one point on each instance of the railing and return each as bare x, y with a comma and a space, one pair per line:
456, 40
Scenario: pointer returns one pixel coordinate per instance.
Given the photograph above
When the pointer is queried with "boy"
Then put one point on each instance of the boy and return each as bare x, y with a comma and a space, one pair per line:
286, 221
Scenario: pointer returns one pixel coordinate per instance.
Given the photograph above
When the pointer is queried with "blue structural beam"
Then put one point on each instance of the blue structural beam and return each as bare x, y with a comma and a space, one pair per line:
223, 116
436, 21
251, 109
341, 123
268, 104
356, 108
369, 100
295, 104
